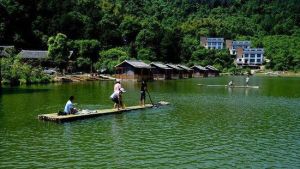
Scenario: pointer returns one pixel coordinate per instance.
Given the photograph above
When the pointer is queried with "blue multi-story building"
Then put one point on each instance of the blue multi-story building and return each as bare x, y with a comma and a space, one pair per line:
250, 57
212, 43
233, 45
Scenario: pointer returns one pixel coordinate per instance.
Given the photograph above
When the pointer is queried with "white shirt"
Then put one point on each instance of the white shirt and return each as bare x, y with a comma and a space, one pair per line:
68, 107
117, 87
115, 95
247, 79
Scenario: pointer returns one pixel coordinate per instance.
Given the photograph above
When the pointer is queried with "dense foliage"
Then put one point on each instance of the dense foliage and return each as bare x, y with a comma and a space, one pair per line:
110, 58
15, 72
159, 30
58, 49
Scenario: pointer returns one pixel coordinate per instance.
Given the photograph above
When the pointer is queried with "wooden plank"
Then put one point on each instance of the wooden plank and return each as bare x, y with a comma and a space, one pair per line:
216, 85
92, 113
253, 87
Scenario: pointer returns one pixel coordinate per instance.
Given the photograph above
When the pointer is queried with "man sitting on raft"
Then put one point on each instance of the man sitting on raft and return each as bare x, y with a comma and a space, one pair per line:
69, 107
116, 97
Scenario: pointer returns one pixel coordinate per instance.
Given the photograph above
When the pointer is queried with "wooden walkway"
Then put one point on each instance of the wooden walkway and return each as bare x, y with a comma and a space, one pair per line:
93, 113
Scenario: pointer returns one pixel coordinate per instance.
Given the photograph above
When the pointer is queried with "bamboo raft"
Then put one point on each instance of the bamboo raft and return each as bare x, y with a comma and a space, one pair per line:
234, 86
83, 114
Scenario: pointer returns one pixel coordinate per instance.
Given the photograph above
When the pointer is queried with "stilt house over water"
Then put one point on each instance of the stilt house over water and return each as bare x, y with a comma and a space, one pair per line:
176, 71
212, 71
187, 72
160, 71
199, 71
133, 70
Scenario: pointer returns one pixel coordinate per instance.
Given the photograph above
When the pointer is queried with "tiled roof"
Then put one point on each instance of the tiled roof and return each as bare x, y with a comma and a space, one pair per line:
3, 50
136, 64
211, 68
36, 54
33, 54
160, 65
199, 67
174, 67
184, 67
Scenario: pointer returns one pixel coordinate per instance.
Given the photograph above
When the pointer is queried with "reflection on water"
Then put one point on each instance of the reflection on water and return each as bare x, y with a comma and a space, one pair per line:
204, 127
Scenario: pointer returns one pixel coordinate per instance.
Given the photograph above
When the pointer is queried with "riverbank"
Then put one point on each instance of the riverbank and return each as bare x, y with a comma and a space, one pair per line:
268, 73
278, 73
81, 78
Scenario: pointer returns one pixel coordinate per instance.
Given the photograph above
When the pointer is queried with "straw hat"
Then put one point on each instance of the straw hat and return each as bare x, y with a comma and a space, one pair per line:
122, 90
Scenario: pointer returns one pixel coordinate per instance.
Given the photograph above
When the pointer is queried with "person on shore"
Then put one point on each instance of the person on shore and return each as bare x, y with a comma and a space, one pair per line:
143, 93
116, 97
247, 80
230, 83
117, 85
69, 107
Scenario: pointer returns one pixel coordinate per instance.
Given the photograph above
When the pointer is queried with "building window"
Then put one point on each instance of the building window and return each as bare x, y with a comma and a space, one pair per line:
213, 43
252, 60
258, 55
240, 60
258, 60
246, 55
252, 55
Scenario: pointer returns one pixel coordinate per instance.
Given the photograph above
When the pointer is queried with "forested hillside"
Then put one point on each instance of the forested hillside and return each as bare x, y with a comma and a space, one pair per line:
155, 30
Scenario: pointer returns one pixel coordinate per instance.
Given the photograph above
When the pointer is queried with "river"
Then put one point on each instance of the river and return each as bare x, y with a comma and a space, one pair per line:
204, 127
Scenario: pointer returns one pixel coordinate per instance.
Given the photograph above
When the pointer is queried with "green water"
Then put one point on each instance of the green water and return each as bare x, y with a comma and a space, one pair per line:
204, 127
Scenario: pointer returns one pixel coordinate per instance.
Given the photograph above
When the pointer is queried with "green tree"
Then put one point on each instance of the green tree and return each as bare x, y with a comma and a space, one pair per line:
86, 51
111, 57
58, 50
146, 54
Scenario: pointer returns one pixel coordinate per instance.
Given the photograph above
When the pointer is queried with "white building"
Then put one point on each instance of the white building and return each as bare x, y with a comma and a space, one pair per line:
212, 43
249, 57
233, 45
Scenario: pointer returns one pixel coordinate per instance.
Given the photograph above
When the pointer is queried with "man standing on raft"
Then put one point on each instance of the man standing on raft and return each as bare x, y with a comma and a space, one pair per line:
116, 97
143, 93
117, 85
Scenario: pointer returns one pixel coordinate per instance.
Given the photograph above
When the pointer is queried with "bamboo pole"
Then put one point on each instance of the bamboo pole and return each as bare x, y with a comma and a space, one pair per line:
0, 70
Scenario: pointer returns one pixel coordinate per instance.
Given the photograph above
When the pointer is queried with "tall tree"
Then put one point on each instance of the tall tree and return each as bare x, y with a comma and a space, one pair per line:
58, 50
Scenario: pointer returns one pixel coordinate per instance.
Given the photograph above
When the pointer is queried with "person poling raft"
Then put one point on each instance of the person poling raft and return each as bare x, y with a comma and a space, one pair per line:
143, 93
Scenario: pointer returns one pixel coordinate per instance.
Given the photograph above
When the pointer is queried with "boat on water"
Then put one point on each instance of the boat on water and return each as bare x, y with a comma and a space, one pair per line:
83, 114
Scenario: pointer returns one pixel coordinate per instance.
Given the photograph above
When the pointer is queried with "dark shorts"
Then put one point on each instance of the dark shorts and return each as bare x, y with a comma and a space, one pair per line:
116, 100
143, 95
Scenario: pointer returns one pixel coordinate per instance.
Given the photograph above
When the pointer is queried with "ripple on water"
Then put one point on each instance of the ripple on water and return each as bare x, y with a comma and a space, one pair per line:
212, 129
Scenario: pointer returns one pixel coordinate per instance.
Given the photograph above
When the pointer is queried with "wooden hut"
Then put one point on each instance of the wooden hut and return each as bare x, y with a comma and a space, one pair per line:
176, 71
199, 71
187, 72
212, 71
160, 71
133, 70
